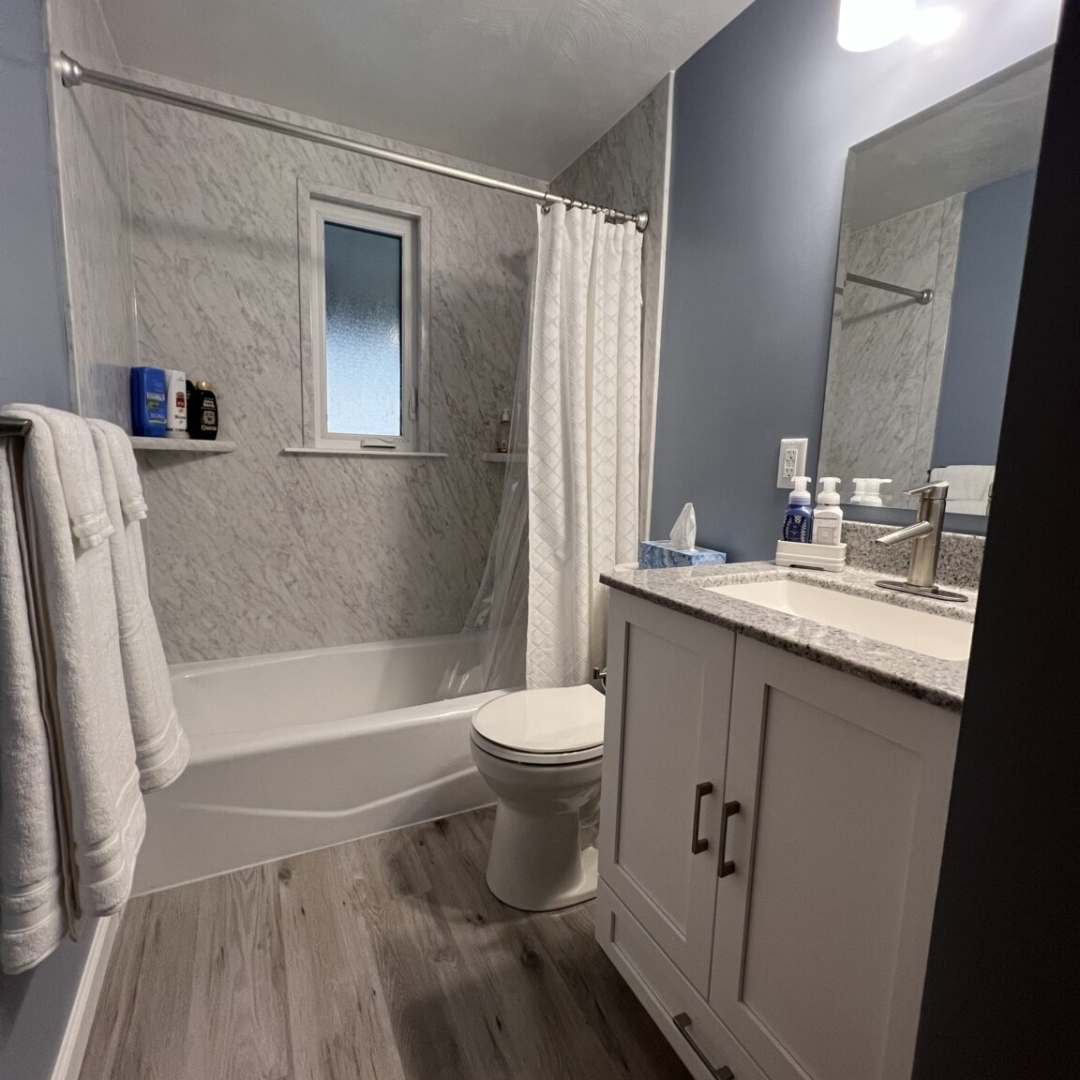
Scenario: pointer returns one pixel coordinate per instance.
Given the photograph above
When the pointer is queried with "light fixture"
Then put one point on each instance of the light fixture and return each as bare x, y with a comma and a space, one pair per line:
933, 25
873, 24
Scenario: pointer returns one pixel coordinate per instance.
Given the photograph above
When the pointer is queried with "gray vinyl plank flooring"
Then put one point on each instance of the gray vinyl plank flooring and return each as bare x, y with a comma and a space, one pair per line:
383, 959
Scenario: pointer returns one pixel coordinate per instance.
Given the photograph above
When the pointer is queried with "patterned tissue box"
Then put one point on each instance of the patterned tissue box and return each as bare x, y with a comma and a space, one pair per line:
656, 554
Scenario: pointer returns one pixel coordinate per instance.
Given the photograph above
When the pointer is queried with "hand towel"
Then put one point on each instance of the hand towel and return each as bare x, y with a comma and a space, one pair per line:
76, 615
33, 912
161, 747
78, 468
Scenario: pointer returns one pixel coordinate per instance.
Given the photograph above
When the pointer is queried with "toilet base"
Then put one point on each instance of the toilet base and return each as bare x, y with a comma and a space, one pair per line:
537, 862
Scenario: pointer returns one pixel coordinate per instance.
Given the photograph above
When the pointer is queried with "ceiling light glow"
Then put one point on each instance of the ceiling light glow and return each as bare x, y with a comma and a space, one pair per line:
873, 24
935, 24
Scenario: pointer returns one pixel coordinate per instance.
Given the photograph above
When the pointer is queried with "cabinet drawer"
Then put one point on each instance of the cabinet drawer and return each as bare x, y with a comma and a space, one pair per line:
666, 994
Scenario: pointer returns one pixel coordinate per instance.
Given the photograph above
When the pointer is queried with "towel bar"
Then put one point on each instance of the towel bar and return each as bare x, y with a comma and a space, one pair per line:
12, 427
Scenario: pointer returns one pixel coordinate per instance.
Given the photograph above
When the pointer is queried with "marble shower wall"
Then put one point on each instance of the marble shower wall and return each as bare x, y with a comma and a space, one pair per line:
88, 126
887, 352
258, 552
628, 168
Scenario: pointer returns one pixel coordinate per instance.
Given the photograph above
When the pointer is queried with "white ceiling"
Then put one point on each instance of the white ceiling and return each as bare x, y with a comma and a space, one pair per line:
525, 85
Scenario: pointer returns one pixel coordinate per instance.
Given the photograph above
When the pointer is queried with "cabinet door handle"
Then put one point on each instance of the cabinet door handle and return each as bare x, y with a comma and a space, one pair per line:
730, 810
697, 845
682, 1022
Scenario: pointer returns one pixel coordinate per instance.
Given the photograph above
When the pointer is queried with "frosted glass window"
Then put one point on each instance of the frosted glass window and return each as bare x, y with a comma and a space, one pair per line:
363, 275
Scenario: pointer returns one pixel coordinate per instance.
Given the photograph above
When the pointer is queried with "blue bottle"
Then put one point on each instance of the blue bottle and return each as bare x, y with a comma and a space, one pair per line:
149, 402
799, 519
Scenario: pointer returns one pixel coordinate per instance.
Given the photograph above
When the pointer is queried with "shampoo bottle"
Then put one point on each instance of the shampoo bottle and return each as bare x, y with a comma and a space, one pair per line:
799, 518
176, 415
828, 517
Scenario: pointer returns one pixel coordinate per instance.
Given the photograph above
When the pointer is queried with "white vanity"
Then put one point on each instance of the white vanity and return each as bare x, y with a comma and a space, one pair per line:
775, 793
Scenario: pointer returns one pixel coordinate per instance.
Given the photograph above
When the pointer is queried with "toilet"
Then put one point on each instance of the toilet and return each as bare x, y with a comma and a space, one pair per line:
540, 752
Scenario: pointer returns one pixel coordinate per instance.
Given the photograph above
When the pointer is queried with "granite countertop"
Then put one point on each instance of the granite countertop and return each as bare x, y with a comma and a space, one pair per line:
685, 589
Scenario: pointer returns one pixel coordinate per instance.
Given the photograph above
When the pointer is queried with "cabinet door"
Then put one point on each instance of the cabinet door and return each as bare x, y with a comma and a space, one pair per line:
669, 692
823, 926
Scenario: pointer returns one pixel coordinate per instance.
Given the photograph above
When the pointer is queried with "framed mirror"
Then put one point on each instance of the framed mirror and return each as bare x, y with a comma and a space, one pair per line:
931, 253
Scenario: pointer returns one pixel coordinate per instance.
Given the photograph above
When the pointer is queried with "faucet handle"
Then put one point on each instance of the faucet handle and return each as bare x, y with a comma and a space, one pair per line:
937, 491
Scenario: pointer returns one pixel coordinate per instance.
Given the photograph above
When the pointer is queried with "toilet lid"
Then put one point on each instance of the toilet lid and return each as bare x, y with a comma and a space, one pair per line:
554, 721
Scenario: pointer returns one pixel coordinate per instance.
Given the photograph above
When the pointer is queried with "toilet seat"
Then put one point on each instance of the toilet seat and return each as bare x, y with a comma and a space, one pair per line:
560, 726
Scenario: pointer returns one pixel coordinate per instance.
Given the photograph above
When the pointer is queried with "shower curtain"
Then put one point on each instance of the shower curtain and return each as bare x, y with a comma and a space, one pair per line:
570, 496
584, 422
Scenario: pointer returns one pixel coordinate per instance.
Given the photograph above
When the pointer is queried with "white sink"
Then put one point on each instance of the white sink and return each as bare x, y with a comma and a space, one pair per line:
919, 631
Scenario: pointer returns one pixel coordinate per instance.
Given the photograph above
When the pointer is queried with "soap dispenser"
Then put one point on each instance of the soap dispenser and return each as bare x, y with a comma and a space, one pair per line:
799, 517
828, 517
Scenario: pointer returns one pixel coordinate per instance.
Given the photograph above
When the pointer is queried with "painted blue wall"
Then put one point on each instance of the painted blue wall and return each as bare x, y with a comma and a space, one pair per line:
986, 294
764, 116
34, 1007
33, 339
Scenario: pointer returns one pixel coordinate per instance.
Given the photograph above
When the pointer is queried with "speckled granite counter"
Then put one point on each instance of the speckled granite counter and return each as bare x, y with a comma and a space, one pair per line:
685, 589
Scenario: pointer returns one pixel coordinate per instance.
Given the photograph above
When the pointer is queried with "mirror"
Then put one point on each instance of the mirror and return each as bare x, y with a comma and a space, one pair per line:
932, 241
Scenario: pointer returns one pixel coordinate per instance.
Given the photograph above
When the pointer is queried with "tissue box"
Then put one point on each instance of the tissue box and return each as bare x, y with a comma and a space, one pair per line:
655, 554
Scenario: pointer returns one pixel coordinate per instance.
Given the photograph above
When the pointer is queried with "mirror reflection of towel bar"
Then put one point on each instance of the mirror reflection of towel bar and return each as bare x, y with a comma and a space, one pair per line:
920, 296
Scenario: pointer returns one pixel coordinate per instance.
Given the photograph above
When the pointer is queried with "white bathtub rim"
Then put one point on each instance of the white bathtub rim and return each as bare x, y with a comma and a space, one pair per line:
196, 667
231, 745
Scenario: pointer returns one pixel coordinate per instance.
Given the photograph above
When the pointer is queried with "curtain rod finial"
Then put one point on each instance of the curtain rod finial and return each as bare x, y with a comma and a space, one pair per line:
71, 72
642, 221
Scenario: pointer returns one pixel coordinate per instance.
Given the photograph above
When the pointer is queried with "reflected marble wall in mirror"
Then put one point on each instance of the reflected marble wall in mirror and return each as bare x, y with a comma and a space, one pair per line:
931, 254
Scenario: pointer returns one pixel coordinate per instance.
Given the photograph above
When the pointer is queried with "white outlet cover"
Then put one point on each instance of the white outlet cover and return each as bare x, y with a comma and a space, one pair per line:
792, 462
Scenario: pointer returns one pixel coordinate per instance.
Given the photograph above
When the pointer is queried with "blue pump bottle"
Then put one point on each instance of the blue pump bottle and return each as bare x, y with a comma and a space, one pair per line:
799, 519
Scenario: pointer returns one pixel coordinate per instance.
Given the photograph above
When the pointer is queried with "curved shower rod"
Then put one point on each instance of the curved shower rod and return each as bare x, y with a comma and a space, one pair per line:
73, 74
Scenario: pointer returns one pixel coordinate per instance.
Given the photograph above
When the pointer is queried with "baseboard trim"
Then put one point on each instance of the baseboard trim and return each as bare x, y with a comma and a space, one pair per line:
77, 1033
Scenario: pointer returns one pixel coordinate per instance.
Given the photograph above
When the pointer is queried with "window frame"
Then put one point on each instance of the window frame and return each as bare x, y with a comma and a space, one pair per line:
373, 214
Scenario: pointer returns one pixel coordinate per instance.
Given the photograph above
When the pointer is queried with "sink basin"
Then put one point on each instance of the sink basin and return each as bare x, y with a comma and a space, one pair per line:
919, 631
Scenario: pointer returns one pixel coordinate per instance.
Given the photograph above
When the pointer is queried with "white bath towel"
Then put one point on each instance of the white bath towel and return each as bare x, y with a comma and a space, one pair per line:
33, 910
970, 487
161, 748
80, 660
83, 499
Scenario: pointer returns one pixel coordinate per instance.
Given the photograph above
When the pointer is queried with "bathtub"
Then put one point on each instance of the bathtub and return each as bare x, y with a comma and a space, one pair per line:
302, 750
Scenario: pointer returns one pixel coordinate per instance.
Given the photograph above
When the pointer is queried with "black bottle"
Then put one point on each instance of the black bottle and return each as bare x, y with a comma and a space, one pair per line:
202, 411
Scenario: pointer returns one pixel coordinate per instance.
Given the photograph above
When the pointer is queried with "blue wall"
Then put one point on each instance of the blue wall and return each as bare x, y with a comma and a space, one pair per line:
764, 116
986, 293
33, 338
34, 1007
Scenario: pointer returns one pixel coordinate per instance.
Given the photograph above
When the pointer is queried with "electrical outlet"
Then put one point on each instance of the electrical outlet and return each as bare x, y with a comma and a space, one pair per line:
792, 462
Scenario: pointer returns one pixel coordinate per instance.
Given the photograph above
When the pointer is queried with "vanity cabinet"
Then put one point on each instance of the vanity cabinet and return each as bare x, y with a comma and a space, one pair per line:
813, 927
665, 745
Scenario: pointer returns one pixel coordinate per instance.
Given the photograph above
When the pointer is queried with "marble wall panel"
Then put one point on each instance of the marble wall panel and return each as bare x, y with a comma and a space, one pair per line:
258, 552
88, 127
628, 168
888, 352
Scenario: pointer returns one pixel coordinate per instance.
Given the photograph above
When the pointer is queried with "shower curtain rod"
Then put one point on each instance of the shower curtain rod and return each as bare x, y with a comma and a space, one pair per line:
73, 74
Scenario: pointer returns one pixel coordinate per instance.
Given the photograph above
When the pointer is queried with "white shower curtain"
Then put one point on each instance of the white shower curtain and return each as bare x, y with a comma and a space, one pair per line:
583, 435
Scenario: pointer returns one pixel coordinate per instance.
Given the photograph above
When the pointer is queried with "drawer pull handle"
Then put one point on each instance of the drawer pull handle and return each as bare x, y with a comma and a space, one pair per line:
697, 845
682, 1022
726, 865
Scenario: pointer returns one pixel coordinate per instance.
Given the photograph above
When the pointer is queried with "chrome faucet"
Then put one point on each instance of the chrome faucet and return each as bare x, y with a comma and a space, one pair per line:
925, 535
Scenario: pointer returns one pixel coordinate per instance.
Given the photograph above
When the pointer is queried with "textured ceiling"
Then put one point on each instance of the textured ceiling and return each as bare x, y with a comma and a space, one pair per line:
525, 85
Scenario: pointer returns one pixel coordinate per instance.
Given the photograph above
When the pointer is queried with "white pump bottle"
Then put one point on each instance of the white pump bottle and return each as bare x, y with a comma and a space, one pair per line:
828, 517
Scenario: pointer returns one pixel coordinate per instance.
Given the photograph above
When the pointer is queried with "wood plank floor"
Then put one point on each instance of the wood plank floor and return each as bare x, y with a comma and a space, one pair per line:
384, 958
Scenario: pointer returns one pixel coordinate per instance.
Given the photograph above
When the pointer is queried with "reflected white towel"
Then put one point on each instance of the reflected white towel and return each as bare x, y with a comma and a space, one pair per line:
33, 912
969, 487
161, 748
79, 646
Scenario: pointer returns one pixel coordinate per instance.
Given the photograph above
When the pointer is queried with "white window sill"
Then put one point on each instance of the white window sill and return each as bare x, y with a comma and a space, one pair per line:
330, 452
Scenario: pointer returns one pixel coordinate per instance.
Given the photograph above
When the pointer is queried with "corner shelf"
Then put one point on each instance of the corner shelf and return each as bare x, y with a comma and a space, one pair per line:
505, 458
183, 446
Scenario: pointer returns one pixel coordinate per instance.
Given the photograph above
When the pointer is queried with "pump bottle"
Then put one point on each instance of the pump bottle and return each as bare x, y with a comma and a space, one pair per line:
799, 517
828, 517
